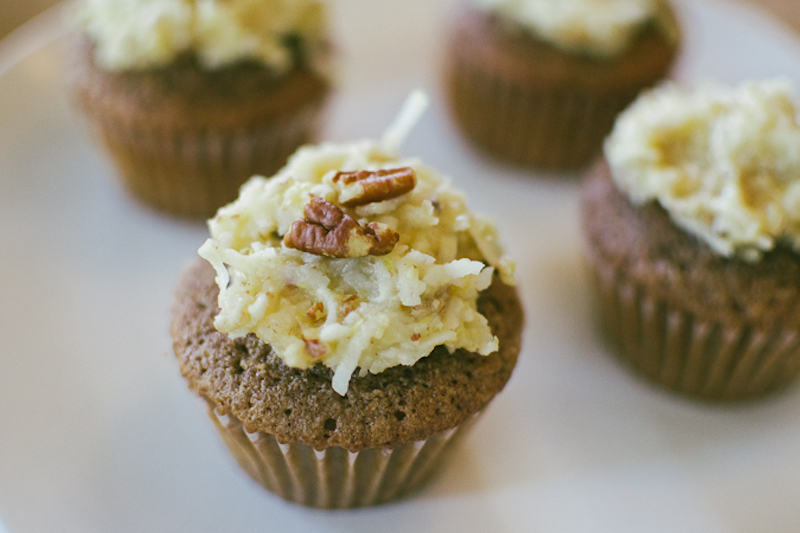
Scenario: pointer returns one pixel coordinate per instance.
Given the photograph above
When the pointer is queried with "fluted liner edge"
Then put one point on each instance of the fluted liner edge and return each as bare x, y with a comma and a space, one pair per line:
336, 478
708, 359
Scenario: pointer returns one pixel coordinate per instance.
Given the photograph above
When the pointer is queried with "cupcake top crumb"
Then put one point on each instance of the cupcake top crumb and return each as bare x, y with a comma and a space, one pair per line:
140, 34
245, 378
724, 162
598, 28
354, 257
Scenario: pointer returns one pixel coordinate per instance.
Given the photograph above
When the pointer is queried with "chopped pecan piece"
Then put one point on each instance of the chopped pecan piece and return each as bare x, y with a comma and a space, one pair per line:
348, 306
316, 312
315, 348
328, 231
365, 187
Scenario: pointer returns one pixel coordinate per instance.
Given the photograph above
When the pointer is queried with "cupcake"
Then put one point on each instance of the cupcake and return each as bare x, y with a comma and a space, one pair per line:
349, 321
539, 83
693, 232
191, 98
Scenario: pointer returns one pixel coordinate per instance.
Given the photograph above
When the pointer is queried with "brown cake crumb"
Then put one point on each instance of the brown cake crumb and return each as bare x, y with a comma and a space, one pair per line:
531, 103
645, 245
184, 95
245, 378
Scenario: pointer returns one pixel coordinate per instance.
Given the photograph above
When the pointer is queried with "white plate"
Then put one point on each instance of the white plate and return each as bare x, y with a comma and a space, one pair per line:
98, 432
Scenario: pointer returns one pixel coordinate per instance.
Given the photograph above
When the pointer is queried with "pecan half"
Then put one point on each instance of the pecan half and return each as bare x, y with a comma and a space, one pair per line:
328, 231
365, 187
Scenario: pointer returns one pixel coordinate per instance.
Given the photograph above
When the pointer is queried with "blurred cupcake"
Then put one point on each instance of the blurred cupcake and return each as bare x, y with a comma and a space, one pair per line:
539, 82
192, 97
693, 232
361, 318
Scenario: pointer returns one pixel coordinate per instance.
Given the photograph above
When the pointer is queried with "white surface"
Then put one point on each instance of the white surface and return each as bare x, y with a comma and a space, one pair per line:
99, 434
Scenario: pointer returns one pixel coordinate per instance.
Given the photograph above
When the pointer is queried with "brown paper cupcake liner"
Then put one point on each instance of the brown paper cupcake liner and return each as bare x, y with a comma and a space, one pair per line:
556, 128
335, 477
673, 347
193, 173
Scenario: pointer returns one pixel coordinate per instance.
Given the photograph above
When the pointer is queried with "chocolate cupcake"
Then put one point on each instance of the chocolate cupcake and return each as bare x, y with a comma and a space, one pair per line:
191, 99
692, 233
539, 83
361, 319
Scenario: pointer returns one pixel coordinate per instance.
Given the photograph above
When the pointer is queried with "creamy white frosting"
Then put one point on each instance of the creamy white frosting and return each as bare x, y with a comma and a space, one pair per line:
602, 28
723, 161
138, 34
371, 312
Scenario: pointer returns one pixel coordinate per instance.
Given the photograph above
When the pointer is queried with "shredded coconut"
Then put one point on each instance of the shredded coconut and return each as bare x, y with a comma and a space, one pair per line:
723, 161
603, 28
370, 312
137, 34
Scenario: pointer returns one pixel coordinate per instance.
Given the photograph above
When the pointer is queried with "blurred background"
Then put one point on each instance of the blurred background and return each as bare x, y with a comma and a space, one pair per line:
15, 12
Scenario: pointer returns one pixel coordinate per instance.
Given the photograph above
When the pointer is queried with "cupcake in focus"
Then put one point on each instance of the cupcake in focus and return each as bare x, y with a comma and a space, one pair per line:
693, 233
192, 97
350, 321
539, 83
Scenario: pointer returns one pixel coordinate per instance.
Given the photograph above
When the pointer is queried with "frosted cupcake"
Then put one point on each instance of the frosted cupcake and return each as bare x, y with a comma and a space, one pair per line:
693, 231
192, 97
350, 321
539, 83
